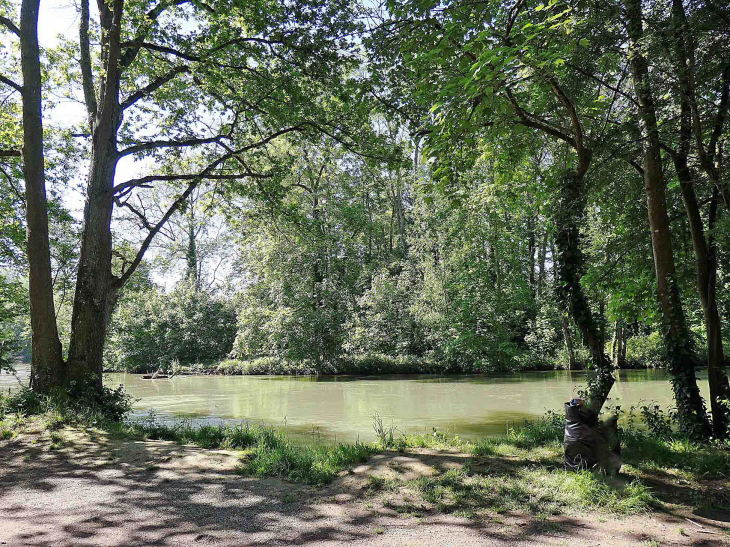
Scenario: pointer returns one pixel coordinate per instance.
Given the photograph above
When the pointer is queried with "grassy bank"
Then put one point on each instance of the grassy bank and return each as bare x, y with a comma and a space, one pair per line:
356, 364
265, 451
361, 365
522, 471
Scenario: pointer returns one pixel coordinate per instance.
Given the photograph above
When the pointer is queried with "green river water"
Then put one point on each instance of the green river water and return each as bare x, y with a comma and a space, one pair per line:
342, 407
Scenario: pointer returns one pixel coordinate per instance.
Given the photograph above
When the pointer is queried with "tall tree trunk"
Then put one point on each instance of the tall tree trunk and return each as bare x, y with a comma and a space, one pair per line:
541, 265
706, 266
717, 376
569, 213
47, 367
708, 153
95, 293
192, 272
602, 319
531, 251
615, 342
317, 274
704, 249
93, 283
690, 406
622, 348
568, 343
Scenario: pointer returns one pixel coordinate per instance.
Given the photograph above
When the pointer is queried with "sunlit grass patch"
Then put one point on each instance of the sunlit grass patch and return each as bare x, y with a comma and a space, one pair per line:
535, 490
649, 453
382, 484
303, 463
266, 452
58, 440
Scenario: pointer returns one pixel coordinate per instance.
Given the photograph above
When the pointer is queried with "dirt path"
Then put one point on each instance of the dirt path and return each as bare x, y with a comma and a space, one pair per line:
98, 492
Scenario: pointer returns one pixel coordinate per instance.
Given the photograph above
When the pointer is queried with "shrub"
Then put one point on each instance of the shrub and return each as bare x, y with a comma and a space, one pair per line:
81, 401
646, 351
348, 364
383, 321
152, 330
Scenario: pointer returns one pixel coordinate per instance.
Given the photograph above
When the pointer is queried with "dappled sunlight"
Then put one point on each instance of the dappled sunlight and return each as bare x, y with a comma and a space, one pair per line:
97, 489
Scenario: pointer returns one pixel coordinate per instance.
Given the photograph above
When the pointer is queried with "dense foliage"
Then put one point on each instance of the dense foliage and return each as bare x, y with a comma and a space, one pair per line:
332, 184
152, 330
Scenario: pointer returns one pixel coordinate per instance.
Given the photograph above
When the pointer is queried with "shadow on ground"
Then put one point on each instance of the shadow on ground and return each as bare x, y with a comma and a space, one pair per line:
96, 491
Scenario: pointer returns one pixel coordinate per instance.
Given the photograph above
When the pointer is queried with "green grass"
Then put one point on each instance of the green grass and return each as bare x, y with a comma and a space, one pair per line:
58, 441
532, 489
266, 452
522, 471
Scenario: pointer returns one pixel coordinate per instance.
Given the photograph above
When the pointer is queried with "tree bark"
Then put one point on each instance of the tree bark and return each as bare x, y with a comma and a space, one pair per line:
706, 266
690, 406
47, 367
704, 248
531, 251
94, 278
92, 300
541, 265
622, 348
615, 342
717, 376
568, 344
192, 272
569, 213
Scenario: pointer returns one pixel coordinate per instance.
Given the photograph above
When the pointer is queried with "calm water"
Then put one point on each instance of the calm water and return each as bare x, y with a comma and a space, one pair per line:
343, 407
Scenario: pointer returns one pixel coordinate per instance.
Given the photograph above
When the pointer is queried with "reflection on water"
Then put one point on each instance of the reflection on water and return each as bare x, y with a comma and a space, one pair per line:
342, 407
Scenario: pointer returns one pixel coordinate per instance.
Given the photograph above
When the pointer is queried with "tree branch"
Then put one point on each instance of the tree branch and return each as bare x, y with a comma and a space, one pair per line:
528, 120
119, 282
11, 83
8, 24
152, 145
722, 110
584, 153
87, 76
143, 182
602, 82
133, 47
10, 153
153, 86
164, 49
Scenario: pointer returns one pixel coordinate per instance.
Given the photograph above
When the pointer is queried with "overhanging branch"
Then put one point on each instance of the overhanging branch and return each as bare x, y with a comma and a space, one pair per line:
153, 86
11, 83
153, 145
8, 24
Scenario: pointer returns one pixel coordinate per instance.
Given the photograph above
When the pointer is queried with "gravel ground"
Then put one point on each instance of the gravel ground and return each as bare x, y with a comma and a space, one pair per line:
97, 492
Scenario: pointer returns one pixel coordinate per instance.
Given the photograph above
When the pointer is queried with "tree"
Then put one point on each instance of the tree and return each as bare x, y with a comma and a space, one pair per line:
501, 66
690, 405
47, 369
226, 90
704, 247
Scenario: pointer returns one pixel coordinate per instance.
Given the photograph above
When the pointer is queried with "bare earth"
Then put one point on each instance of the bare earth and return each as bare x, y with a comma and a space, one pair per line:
107, 493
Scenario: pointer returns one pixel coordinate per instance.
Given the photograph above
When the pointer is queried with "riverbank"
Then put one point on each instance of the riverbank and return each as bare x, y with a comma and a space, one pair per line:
65, 485
360, 365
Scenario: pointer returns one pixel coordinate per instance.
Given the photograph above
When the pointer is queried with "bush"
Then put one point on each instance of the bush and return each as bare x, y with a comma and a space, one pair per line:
80, 402
646, 351
266, 365
349, 364
152, 330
